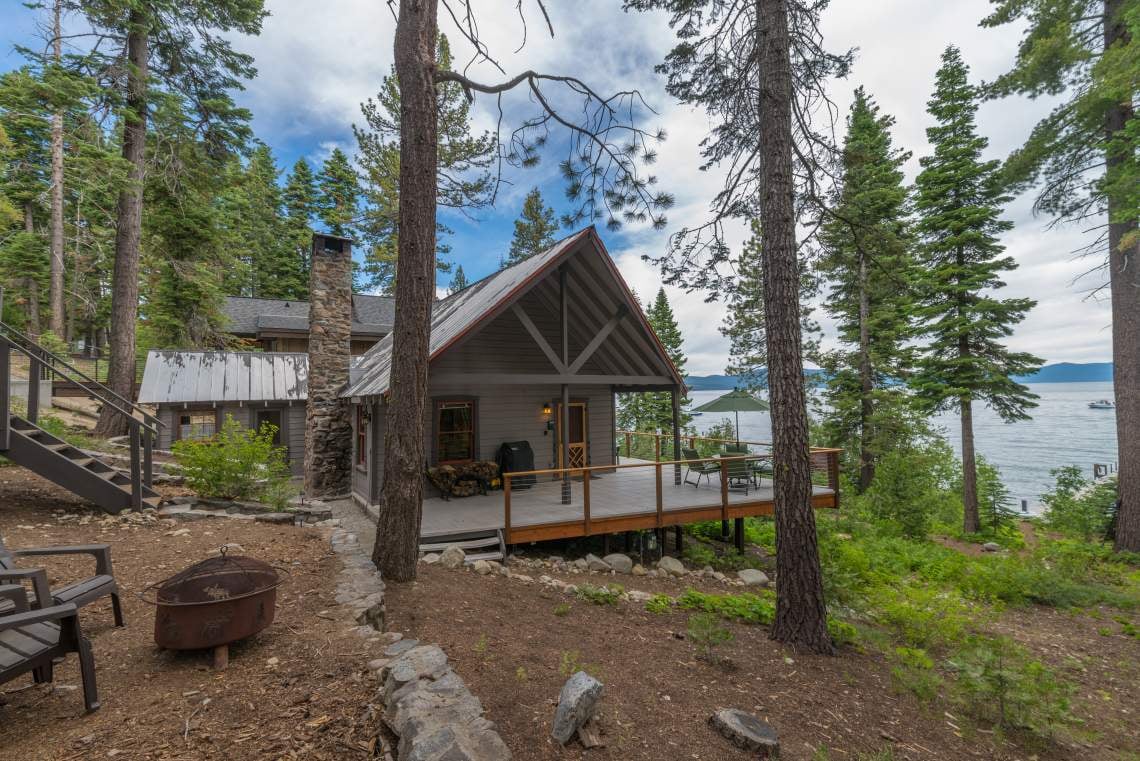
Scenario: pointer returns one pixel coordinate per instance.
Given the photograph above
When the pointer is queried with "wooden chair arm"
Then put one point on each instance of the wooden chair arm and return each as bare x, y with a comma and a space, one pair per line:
17, 594
38, 578
54, 613
101, 553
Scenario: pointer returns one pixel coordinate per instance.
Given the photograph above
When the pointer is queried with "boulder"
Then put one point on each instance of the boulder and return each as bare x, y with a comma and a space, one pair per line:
753, 578
595, 563
279, 518
576, 705
619, 562
453, 557
639, 570
581, 564
991, 547
482, 567
747, 732
430, 559
671, 566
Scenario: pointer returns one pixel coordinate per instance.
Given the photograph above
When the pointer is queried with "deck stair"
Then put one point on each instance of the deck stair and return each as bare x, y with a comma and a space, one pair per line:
86, 474
479, 545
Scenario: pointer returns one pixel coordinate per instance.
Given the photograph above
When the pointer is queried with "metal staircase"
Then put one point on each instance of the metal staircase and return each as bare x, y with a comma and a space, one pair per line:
23, 442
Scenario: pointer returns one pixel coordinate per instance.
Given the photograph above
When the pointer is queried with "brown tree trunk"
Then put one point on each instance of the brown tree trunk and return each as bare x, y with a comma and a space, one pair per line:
971, 522
401, 496
1125, 287
128, 232
800, 613
55, 292
866, 403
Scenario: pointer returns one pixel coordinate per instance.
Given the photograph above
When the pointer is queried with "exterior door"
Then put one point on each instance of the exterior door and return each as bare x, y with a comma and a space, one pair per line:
274, 418
579, 445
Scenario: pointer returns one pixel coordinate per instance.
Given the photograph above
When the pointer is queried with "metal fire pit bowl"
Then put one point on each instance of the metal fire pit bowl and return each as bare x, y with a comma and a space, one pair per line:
213, 603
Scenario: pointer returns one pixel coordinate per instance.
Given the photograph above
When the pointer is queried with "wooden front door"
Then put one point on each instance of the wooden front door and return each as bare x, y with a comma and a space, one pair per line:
579, 446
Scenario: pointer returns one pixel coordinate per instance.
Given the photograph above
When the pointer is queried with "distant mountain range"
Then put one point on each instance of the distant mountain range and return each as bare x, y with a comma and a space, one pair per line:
1062, 372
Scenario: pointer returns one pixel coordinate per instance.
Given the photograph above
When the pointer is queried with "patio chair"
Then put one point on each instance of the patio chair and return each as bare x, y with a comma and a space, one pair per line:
79, 593
702, 469
739, 472
33, 640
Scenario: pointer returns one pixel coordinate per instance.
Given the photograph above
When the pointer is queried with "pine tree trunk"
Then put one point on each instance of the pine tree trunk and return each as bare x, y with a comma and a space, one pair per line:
58, 319
971, 522
32, 309
1125, 288
128, 232
866, 403
800, 614
401, 496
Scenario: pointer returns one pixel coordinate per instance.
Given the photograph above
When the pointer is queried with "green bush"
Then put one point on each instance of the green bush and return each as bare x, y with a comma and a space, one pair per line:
607, 595
1076, 507
237, 463
913, 670
659, 604
706, 632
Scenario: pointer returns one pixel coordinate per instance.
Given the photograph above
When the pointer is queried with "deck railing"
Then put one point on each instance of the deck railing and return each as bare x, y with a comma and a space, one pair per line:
603, 499
651, 445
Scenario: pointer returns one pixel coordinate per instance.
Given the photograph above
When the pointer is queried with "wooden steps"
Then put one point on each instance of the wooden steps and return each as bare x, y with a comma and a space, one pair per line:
478, 545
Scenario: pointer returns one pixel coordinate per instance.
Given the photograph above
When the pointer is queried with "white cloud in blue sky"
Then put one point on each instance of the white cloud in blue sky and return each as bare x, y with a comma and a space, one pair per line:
318, 61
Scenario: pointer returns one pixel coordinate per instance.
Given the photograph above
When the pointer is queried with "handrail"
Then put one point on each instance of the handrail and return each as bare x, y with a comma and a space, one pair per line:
694, 437
4, 327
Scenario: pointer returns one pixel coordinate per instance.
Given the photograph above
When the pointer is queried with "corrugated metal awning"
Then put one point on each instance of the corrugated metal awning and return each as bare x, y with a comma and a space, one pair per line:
183, 377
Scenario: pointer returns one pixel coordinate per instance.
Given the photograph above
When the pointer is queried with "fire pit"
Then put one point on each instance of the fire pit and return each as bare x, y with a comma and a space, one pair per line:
213, 603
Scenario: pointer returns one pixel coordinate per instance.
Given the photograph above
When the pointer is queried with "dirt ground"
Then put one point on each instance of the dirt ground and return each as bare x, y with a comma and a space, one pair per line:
514, 645
299, 689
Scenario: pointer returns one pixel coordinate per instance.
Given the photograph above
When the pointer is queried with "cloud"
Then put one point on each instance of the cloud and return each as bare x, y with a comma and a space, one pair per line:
318, 62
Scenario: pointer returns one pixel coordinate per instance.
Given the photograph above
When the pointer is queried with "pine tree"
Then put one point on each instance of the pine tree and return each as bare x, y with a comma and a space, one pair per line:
744, 322
868, 260
339, 195
458, 281
534, 229
959, 198
652, 411
261, 236
463, 179
1085, 157
300, 201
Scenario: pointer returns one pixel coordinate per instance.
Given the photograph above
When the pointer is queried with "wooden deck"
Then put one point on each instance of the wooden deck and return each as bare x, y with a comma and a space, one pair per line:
618, 499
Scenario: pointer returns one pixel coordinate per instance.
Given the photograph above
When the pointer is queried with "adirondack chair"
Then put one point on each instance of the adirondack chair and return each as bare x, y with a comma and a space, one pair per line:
702, 469
79, 593
33, 640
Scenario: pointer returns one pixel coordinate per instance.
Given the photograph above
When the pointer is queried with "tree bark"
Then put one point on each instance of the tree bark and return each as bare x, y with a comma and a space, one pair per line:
55, 291
128, 232
32, 308
971, 522
1124, 283
800, 613
401, 498
866, 403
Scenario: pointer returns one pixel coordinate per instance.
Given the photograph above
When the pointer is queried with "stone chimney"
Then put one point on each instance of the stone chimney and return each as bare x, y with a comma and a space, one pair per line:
328, 429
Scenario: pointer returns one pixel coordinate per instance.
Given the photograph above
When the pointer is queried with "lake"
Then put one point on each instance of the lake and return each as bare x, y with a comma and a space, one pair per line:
1063, 431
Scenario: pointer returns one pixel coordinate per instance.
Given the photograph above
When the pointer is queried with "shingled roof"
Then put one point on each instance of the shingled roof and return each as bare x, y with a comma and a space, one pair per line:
371, 315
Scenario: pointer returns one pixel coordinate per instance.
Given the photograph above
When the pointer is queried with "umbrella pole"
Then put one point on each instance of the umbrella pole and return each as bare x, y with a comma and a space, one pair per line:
738, 428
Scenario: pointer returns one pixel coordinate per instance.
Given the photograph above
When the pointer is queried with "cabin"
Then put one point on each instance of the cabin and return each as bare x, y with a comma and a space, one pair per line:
537, 353
281, 325
192, 393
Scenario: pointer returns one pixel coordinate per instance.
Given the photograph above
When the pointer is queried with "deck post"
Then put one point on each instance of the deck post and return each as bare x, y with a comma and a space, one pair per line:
136, 471
586, 503
675, 395
678, 537
660, 501
564, 322
657, 447
34, 372
724, 499
628, 444
5, 391
506, 510
148, 457
738, 534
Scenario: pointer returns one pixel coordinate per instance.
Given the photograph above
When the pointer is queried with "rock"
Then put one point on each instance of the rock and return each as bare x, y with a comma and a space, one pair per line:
991, 547
619, 562
430, 559
376, 664
595, 563
719, 576
753, 578
639, 596
581, 564
452, 557
747, 732
277, 518
400, 646
638, 570
671, 566
576, 705
482, 567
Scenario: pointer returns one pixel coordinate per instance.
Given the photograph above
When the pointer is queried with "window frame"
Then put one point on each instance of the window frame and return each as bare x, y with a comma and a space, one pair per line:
438, 404
362, 425
180, 411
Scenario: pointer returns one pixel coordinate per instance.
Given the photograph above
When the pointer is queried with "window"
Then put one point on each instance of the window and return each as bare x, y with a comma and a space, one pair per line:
361, 437
197, 425
454, 431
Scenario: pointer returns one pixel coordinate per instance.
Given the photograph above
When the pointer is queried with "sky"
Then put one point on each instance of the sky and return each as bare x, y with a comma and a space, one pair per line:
318, 61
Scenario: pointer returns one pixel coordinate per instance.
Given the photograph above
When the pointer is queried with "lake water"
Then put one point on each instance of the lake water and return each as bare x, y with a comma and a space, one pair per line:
1063, 431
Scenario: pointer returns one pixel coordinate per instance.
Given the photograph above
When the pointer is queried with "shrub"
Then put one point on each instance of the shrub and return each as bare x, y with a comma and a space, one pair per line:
659, 604
607, 595
707, 634
1073, 508
237, 463
913, 670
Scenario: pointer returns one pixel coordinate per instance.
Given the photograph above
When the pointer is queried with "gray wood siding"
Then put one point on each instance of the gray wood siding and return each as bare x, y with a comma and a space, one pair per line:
359, 474
293, 423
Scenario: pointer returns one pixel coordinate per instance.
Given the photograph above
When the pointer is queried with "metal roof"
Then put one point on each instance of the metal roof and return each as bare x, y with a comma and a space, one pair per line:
371, 315
182, 377
461, 312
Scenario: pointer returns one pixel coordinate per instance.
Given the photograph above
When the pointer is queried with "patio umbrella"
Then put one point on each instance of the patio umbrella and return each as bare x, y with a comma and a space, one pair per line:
734, 401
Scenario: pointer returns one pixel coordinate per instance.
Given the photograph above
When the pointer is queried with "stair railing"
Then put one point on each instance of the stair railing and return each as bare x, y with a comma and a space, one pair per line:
41, 362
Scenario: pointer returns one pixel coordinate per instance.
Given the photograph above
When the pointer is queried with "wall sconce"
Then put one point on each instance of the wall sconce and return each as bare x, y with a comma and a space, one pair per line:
547, 409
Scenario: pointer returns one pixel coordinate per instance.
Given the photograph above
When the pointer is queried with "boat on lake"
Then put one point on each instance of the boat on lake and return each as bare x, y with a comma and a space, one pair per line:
1101, 404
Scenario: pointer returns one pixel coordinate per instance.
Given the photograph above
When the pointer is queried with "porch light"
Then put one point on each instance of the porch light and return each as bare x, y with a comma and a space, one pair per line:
547, 409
